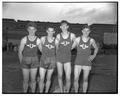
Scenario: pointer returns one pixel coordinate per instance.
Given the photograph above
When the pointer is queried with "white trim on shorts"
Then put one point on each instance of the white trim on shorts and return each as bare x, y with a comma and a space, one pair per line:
84, 67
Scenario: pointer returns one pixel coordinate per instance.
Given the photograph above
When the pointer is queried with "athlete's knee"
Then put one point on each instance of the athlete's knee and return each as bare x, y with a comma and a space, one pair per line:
68, 78
76, 79
59, 76
25, 81
48, 81
85, 80
48, 78
33, 81
42, 79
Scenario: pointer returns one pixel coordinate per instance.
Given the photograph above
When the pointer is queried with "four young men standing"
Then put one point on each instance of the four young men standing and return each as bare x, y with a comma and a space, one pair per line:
55, 52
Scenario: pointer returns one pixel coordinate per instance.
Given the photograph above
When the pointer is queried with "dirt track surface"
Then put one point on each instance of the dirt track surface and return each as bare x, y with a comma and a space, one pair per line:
103, 77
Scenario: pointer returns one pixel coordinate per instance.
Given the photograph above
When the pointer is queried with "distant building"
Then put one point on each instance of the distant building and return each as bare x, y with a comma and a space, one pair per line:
13, 30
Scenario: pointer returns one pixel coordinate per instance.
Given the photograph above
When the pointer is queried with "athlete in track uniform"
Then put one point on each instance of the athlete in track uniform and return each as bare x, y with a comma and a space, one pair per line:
47, 62
84, 57
64, 42
28, 57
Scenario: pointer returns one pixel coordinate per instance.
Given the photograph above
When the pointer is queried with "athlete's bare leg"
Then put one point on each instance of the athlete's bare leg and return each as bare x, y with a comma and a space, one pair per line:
49, 74
33, 73
25, 79
67, 68
77, 71
85, 80
42, 72
60, 73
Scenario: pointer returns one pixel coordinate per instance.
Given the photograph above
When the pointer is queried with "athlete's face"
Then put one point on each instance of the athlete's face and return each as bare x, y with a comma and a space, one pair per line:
86, 32
31, 30
64, 26
50, 31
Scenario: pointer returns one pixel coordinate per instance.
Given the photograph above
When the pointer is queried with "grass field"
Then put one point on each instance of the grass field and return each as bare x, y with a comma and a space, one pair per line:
103, 77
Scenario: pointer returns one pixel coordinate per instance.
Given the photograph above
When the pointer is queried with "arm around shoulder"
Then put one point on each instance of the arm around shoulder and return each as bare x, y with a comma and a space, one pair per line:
57, 41
42, 40
76, 42
39, 44
73, 37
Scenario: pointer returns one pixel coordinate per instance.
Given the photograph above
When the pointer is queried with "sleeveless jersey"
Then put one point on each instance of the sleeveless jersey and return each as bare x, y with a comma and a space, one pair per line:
83, 53
64, 50
84, 48
30, 48
48, 48
65, 45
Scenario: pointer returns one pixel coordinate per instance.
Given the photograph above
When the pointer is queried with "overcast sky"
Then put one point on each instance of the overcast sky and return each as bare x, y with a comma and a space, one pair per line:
55, 12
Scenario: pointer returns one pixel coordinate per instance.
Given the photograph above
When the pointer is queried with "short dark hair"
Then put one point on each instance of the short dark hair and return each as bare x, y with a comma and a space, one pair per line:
31, 24
49, 26
64, 21
86, 26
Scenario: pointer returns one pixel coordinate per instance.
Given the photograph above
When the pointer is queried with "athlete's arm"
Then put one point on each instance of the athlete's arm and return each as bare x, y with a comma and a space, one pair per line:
93, 43
75, 43
73, 37
57, 41
21, 47
42, 40
39, 44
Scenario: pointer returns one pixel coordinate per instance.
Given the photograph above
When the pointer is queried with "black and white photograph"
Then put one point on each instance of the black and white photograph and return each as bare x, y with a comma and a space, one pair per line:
59, 47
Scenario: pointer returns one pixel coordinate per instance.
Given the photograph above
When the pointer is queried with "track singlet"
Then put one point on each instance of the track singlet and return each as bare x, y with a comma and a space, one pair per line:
84, 48
65, 45
48, 48
64, 49
83, 53
30, 48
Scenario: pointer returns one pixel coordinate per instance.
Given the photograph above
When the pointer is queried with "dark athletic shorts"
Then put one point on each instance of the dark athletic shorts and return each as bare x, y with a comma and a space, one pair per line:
48, 62
82, 60
63, 58
30, 62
